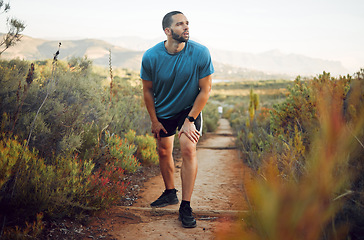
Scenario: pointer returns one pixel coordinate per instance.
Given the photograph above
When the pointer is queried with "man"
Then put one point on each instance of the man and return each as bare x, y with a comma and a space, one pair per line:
176, 78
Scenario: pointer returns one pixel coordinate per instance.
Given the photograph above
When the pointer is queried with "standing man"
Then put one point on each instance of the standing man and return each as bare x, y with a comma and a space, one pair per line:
176, 76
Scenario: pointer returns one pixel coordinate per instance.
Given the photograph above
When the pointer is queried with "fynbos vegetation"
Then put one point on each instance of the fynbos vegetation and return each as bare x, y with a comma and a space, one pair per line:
60, 123
70, 132
307, 152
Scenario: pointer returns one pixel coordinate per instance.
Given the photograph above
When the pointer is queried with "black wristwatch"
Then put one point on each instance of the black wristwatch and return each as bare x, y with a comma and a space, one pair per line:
191, 119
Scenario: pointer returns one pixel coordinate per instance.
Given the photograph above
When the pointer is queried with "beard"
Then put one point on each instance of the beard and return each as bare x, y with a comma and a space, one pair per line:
179, 38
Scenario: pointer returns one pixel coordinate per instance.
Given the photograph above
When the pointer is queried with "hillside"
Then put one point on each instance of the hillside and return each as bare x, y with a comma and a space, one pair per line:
271, 62
277, 62
127, 53
97, 50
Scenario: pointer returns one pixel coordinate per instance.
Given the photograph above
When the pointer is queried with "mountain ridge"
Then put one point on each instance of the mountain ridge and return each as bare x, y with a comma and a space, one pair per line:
272, 61
127, 52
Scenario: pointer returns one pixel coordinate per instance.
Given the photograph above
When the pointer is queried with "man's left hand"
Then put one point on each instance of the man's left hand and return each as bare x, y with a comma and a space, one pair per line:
190, 130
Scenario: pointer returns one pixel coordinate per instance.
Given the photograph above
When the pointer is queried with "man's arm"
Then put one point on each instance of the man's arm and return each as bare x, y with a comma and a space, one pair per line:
149, 103
189, 128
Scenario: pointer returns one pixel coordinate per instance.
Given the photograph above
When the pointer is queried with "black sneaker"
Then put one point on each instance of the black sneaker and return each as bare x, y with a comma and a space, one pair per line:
186, 217
166, 199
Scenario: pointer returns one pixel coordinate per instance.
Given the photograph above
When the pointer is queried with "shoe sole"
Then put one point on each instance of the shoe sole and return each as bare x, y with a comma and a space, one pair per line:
165, 204
186, 226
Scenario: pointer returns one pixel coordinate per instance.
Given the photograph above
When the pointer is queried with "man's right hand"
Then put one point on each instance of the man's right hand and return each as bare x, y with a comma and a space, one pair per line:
156, 129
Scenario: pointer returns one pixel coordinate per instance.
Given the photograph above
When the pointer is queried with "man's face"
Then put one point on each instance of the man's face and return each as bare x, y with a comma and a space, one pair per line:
179, 28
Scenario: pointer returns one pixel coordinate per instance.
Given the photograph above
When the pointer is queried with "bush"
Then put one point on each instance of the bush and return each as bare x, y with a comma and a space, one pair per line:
67, 187
79, 107
311, 164
253, 136
146, 147
69, 168
9, 155
35, 186
210, 118
122, 152
147, 150
107, 186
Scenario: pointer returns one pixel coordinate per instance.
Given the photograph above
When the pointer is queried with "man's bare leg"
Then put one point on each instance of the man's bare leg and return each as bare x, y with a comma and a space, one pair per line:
189, 167
188, 177
166, 164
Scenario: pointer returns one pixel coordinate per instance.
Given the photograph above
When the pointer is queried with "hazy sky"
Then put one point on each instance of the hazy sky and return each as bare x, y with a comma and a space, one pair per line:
327, 29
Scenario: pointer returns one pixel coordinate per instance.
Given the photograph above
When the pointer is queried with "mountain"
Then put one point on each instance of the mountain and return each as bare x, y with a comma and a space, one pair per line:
97, 50
133, 42
127, 52
270, 62
277, 62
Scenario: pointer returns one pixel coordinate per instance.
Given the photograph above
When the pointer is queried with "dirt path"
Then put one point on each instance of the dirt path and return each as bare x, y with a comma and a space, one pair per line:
217, 195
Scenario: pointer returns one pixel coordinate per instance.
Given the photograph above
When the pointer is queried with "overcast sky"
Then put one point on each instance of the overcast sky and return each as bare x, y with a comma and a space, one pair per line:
327, 29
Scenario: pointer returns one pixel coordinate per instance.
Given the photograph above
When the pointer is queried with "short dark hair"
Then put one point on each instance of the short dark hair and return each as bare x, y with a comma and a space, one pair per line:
167, 20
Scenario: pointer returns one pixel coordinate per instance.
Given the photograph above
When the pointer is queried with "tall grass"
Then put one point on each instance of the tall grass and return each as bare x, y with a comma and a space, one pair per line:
309, 178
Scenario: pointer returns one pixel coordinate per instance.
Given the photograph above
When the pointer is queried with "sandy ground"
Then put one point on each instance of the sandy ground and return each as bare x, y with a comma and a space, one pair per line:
217, 197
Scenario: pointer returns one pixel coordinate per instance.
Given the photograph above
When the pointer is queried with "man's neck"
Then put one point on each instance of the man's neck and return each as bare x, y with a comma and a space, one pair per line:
174, 46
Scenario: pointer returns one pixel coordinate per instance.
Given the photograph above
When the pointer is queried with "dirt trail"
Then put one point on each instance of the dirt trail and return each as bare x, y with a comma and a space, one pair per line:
217, 194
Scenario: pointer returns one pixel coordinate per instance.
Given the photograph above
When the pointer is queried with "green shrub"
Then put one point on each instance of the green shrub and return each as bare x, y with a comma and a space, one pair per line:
253, 136
68, 186
46, 177
227, 112
147, 149
210, 117
10, 149
79, 108
123, 153
310, 155
57, 190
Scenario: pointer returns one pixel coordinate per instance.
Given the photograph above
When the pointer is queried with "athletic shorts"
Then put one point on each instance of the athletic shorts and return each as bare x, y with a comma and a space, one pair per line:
176, 122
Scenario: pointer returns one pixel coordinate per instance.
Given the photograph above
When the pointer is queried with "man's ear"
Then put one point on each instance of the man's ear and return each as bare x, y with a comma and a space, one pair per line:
167, 31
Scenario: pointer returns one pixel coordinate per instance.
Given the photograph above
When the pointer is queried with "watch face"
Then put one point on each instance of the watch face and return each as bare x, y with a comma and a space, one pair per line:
191, 119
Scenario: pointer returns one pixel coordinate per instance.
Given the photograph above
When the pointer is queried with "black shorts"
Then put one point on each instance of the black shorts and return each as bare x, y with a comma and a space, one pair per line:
171, 124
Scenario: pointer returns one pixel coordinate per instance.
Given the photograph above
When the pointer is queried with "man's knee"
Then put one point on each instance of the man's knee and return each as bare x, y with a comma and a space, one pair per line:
188, 148
188, 151
165, 147
164, 152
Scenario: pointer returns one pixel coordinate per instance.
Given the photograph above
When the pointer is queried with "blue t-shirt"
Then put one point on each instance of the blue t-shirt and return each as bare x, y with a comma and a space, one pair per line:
175, 77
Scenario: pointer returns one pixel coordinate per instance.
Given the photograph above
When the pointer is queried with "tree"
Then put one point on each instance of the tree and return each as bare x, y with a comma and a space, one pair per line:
15, 27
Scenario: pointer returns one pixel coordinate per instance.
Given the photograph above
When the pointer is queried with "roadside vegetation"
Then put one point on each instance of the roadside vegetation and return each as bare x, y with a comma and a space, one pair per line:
70, 134
305, 146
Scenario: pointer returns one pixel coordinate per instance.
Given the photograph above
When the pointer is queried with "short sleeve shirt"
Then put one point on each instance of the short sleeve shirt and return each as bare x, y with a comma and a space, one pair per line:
175, 77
